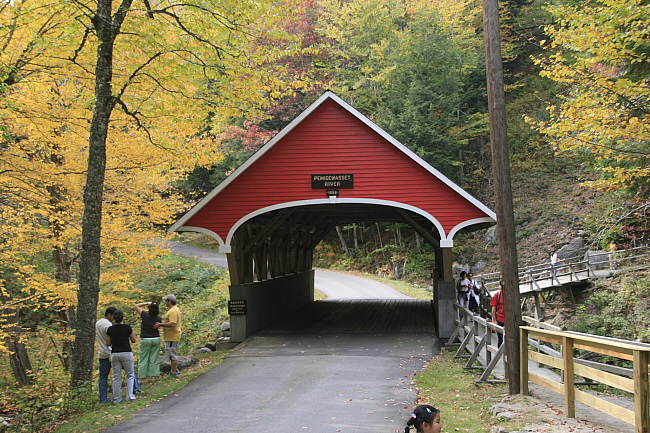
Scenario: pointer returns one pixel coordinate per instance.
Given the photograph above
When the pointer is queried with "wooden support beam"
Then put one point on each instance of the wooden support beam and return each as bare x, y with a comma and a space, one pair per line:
426, 234
267, 229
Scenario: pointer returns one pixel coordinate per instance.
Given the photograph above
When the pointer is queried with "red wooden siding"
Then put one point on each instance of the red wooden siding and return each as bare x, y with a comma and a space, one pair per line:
331, 141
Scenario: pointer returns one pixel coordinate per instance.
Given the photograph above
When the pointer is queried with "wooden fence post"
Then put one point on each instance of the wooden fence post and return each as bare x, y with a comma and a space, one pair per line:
641, 411
569, 387
523, 347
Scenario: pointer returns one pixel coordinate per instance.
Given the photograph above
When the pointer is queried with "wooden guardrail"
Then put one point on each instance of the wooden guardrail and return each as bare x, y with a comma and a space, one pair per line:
573, 269
478, 342
565, 360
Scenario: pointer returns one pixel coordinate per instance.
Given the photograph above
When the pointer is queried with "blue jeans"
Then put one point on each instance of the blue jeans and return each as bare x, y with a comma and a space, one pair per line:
104, 371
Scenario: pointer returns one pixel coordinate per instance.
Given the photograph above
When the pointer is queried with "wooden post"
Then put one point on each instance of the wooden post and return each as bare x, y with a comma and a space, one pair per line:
502, 190
524, 361
569, 386
641, 401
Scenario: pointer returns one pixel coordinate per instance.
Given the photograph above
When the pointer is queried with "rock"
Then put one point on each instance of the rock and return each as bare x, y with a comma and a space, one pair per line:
490, 235
477, 267
599, 259
498, 408
496, 429
202, 350
224, 343
225, 326
211, 345
183, 362
572, 249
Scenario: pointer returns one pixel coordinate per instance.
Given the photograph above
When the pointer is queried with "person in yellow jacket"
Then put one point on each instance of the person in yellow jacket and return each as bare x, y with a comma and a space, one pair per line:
171, 335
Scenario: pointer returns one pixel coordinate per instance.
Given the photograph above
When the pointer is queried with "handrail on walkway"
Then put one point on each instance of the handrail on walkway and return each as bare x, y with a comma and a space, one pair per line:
478, 337
475, 336
535, 278
571, 367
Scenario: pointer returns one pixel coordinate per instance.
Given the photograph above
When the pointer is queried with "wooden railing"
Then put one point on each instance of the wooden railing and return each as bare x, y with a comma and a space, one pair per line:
476, 338
634, 380
478, 342
533, 278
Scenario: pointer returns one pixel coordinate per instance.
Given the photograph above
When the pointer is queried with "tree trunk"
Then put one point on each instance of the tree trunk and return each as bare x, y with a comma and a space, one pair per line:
502, 191
343, 243
62, 263
89, 267
19, 360
21, 366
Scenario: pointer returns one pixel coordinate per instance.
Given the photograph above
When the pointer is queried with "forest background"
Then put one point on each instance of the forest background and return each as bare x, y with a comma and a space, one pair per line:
116, 118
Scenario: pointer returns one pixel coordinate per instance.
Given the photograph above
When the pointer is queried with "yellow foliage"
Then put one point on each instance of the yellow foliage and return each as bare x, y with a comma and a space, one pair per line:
603, 58
168, 88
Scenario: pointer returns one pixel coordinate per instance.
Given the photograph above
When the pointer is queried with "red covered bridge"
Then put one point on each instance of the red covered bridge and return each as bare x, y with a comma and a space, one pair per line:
330, 166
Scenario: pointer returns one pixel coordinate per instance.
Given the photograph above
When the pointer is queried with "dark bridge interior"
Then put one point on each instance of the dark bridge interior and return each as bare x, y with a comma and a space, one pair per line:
374, 316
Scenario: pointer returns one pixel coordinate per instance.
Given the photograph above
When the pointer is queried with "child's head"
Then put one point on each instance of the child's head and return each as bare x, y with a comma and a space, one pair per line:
425, 419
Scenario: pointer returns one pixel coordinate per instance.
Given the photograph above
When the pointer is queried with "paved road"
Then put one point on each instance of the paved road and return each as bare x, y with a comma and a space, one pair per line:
300, 378
334, 284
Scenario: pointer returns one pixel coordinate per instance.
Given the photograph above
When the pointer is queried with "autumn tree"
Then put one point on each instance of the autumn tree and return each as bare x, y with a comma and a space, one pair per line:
600, 56
101, 122
416, 69
299, 79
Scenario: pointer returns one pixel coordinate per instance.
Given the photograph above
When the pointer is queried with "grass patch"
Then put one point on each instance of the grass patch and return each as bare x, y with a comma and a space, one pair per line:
464, 405
102, 416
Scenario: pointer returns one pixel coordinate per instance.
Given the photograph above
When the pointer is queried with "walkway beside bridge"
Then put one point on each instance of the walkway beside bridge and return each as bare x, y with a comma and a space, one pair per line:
573, 271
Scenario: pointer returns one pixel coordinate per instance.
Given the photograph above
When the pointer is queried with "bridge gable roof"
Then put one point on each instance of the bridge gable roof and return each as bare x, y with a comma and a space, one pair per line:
331, 137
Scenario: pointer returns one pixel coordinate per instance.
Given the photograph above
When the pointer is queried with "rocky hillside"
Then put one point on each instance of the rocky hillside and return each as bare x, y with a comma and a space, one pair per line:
551, 206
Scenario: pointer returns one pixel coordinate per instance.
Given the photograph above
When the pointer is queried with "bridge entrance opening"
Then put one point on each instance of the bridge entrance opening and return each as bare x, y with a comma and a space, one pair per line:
331, 166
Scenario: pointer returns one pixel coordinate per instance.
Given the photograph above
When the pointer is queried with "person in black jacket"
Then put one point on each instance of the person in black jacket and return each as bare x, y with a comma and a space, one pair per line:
119, 337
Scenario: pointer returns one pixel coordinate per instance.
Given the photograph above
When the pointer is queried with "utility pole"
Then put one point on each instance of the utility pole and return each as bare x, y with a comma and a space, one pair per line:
502, 190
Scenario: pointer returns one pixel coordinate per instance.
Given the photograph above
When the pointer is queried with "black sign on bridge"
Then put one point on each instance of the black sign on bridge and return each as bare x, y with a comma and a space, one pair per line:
332, 181
237, 307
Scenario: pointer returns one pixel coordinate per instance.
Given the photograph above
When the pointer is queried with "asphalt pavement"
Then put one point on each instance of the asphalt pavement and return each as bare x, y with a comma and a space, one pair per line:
295, 378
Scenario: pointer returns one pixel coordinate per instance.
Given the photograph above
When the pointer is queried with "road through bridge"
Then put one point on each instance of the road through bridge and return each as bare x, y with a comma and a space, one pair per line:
341, 365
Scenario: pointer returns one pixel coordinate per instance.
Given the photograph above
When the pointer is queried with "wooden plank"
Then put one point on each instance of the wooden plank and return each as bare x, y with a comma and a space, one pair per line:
641, 410
551, 361
569, 377
553, 385
540, 324
606, 349
537, 334
523, 367
604, 377
605, 406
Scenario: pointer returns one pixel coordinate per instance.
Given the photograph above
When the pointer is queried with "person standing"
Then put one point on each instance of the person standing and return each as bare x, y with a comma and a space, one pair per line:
474, 294
119, 336
104, 352
498, 316
149, 355
462, 287
171, 325
554, 263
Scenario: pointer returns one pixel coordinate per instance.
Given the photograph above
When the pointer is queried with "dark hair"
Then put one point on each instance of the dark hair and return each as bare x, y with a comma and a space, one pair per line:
154, 310
109, 310
463, 273
422, 413
118, 316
